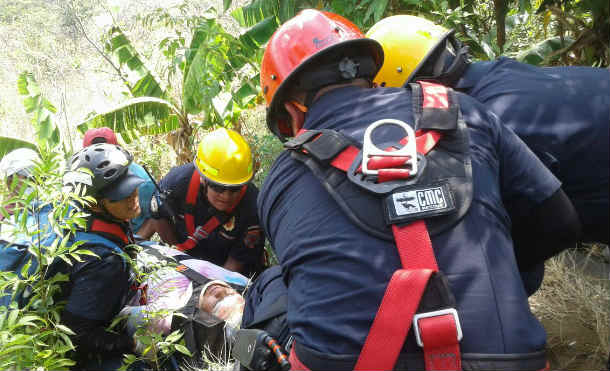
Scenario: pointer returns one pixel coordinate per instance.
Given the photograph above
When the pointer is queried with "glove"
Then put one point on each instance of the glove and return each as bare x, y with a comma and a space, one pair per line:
135, 318
160, 206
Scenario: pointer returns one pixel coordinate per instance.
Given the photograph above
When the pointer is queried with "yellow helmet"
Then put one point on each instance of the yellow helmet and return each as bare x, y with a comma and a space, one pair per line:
407, 43
224, 157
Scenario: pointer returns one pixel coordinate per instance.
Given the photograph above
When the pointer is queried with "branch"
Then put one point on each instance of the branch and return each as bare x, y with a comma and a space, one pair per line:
97, 48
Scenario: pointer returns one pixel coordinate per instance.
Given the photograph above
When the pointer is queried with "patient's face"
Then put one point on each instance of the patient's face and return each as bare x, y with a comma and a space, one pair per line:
222, 301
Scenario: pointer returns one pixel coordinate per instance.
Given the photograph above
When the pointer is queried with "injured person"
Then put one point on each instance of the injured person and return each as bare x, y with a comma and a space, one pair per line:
206, 297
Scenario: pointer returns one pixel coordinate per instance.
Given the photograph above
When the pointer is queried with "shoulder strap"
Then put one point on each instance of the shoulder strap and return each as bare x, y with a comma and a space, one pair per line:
98, 225
194, 236
437, 332
191, 201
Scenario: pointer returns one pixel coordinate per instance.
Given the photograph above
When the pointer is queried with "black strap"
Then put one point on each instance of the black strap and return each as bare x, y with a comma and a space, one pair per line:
188, 272
157, 254
323, 145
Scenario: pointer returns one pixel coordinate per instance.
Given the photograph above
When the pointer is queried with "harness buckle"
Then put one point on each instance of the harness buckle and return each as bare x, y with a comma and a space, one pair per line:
436, 313
409, 150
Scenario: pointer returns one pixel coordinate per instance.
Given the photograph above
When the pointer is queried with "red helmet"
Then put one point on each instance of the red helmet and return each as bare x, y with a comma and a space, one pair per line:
99, 135
312, 40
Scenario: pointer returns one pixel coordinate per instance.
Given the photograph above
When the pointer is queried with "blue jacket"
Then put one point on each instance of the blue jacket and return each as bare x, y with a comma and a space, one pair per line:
563, 115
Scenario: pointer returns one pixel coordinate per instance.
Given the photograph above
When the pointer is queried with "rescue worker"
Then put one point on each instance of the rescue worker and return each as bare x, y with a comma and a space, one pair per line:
141, 224
265, 306
98, 287
326, 219
208, 207
561, 113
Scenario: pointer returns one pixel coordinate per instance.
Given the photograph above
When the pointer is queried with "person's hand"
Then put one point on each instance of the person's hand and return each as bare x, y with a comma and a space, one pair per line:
144, 351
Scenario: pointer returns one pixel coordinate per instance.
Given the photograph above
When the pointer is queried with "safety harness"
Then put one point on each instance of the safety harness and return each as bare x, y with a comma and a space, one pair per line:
203, 232
412, 186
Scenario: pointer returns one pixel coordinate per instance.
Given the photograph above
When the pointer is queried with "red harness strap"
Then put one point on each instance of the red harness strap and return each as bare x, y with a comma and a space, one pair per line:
437, 332
99, 225
195, 235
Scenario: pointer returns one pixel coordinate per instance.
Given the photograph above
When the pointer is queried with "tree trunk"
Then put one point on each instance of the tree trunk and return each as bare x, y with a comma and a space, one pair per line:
181, 141
501, 11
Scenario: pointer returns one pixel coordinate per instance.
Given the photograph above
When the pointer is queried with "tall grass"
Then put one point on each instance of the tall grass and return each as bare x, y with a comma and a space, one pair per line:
574, 307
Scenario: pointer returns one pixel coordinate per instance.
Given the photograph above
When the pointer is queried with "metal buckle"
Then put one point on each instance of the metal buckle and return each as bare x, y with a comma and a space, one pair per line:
436, 313
369, 149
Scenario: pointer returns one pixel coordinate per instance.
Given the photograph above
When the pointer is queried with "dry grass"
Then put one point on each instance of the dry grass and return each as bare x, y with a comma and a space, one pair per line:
574, 306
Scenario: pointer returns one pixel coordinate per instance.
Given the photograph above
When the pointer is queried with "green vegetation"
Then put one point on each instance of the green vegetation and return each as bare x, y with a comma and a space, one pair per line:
161, 75
32, 336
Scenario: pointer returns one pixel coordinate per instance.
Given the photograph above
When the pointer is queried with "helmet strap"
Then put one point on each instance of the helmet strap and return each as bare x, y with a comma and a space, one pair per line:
449, 75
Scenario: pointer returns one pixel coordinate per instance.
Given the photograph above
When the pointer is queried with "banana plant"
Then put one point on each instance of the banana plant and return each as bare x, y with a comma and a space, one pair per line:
8, 144
41, 111
211, 67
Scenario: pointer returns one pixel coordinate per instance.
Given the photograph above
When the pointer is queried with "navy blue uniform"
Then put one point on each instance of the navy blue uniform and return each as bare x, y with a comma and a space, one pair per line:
97, 290
337, 274
240, 237
563, 115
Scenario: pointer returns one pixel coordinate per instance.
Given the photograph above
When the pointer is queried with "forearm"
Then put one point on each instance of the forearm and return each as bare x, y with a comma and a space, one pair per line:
233, 265
166, 231
147, 229
545, 230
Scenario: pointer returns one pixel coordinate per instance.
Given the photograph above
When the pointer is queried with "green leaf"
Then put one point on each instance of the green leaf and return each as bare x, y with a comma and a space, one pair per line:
60, 364
248, 90
141, 81
40, 108
287, 10
259, 34
12, 317
206, 72
227, 4
525, 6
380, 6
87, 252
174, 336
256, 11
539, 53
200, 33
65, 329
182, 349
44, 354
29, 320
145, 114
9, 144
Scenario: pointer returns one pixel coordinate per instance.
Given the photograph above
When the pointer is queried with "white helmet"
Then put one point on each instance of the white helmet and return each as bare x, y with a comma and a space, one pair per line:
19, 161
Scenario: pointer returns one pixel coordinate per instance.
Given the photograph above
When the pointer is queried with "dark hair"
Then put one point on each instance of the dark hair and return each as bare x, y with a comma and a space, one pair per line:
99, 140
